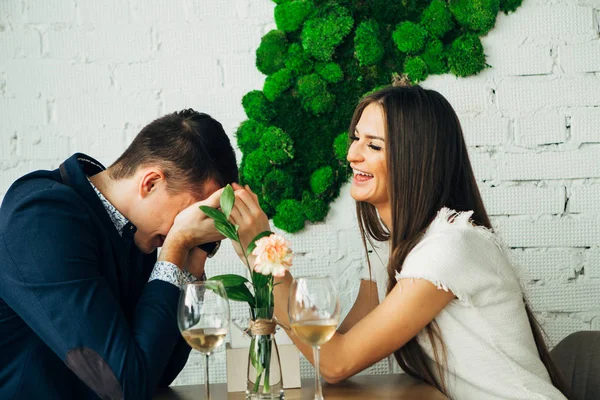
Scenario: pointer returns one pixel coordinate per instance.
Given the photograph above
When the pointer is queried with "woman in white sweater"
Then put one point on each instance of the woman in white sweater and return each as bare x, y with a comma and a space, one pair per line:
454, 314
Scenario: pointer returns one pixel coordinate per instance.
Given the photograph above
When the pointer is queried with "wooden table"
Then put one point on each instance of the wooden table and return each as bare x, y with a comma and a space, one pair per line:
397, 387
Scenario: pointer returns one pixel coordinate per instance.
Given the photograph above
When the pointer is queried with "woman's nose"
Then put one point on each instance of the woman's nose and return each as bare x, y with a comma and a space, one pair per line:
354, 153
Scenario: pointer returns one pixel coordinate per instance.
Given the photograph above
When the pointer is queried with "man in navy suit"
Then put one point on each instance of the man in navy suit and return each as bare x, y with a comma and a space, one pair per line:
87, 309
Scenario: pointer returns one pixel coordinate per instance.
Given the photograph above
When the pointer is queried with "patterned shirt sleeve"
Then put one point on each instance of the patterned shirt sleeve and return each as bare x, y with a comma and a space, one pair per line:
169, 272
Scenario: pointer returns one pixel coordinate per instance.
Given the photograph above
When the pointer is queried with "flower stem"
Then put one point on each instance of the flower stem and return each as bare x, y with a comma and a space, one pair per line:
257, 383
270, 294
244, 253
249, 269
268, 344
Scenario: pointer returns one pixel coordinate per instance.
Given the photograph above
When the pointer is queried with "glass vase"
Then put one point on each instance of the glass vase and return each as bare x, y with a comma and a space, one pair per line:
264, 367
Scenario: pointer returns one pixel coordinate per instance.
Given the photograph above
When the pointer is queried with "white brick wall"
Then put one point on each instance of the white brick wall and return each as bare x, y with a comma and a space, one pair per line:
584, 199
485, 129
542, 20
584, 125
592, 262
525, 95
523, 199
584, 57
85, 76
517, 59
550, 165
548, 264
567, 231
53, 78
87, 43
540, 129
22, 42
49, 12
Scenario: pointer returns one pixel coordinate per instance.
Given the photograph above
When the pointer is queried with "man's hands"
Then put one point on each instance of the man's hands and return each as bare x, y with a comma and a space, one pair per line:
194, 262
191, 228
248, 215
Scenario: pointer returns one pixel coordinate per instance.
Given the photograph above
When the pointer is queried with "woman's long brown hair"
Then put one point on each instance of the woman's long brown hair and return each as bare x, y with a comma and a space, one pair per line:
428, 168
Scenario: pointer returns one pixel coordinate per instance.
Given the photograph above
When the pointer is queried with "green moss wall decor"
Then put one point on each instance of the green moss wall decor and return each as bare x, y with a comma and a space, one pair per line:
322, 58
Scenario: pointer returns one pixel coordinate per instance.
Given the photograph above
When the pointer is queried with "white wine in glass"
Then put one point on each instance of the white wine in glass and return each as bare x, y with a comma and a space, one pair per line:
315, 332
205, 340
203, 319
314, 311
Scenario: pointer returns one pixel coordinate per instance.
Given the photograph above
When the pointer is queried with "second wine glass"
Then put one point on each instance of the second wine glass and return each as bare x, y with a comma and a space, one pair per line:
314, 311
203, 319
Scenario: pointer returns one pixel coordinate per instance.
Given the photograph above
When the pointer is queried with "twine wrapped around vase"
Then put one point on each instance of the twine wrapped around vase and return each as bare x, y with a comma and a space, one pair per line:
262, 327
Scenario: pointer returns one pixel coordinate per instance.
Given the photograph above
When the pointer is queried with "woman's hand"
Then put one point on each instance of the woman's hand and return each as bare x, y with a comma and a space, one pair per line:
250, 218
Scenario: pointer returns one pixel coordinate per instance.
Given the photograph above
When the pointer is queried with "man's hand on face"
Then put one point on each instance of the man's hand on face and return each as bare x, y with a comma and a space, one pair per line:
194, 262
191, 228
248, 215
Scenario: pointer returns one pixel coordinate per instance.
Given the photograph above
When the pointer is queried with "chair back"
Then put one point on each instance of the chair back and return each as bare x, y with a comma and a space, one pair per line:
577, 357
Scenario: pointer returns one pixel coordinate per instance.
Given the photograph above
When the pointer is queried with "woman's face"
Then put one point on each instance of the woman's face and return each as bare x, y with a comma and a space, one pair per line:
367, 158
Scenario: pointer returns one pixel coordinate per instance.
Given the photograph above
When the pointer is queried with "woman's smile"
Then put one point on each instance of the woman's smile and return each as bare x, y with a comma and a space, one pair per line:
361, 177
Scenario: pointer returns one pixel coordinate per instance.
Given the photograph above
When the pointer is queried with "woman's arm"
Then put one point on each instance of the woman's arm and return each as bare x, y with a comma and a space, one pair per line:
409, 307
365, 302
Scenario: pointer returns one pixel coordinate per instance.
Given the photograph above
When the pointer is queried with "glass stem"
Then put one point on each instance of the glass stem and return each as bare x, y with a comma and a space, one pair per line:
206, 383
318, 390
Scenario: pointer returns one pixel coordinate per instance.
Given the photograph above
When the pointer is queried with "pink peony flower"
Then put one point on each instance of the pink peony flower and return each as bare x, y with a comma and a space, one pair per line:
273, 255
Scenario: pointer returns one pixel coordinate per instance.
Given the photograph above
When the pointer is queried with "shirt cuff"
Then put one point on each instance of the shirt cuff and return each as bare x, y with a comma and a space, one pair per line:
168, 272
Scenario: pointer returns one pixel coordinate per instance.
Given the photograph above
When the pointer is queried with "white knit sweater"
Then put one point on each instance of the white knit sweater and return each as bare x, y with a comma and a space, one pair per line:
490, 347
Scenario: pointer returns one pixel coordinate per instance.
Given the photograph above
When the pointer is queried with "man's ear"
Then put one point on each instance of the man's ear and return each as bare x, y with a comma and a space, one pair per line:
150, 180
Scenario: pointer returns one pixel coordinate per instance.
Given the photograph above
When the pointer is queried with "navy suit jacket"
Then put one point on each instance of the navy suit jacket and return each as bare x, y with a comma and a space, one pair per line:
78, 319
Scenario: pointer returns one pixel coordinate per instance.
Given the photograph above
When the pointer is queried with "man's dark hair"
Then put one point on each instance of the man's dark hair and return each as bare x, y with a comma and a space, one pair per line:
190, 147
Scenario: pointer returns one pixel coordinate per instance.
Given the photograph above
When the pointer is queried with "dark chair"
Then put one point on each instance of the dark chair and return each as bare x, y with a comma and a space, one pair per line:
577, 357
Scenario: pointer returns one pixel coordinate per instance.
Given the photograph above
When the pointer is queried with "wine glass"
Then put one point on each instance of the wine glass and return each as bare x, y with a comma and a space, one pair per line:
203, 319
314, 311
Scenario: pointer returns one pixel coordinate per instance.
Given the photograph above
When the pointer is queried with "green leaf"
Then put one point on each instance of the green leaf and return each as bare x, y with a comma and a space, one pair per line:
230, 280
213, 287
227, 200
235, 293
227, 230
259, 280
214, 214
261, 289
240, 293
254, 358
252, 244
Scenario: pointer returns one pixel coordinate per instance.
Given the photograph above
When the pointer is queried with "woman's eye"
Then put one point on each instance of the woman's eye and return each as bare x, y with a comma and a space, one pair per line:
353, 138
376, 148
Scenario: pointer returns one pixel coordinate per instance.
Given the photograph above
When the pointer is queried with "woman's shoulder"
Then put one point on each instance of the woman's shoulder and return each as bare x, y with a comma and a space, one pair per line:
459, 255
454, 232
